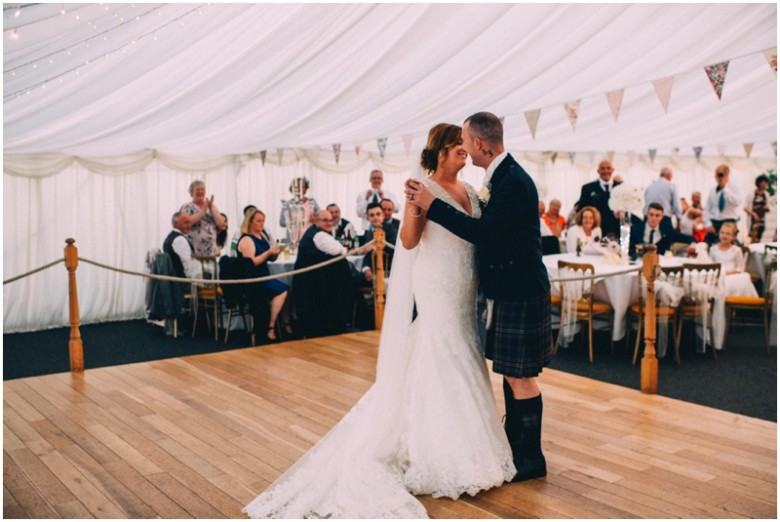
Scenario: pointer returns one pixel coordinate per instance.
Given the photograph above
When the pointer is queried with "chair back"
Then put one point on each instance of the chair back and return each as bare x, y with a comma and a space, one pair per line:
679, 249
770, 278
700, 281
231, 268
668, 285
576, 290
386, 262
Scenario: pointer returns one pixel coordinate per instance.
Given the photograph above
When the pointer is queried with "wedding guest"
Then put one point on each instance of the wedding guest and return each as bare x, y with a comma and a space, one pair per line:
373, 195
656, 231
692, 225
222, 235
204, 219
390, 224
180, 250
237, 235
596, 194
732, 263
756, 206
664, 192
552, 218
298, 188
724, 203
586, 232
343, 230
376, 221
323, 297
254, 245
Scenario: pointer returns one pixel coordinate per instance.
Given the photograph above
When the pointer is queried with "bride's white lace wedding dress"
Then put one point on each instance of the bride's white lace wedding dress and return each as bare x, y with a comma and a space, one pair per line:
429, 424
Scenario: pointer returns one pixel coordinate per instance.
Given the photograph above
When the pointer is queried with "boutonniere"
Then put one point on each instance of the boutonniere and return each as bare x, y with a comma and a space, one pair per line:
594, 194
484, 195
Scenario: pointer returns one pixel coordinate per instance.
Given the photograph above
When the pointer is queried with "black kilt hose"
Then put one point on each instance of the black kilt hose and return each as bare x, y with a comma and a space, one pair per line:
520, 342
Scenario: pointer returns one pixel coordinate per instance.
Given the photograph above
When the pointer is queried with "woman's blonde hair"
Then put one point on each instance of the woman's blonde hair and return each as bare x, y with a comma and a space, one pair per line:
596, 216
248, 220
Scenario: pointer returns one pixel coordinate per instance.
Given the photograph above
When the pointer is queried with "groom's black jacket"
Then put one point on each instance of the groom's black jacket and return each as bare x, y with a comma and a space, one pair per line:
509, 247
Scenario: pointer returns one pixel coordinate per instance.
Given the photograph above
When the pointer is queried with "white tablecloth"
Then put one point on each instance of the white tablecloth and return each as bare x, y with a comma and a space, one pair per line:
283, 265
757, 260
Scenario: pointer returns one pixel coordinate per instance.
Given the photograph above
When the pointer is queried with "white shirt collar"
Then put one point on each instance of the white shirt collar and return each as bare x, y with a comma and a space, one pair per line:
493, 166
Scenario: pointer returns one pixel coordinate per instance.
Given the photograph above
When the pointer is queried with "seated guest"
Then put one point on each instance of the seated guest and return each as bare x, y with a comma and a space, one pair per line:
204, 219
343, 230
180, 250
376, 221
552, 218
692, 223
254, 245
323, 296
390, 224
222, 236
732, 262
586, 231
543, 228
657, 232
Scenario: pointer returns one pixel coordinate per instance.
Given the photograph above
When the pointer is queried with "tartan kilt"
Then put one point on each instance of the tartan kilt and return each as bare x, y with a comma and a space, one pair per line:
520, 342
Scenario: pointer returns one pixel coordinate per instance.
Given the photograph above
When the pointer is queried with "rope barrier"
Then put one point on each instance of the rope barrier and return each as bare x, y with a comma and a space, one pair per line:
595, 276
228, 281
31, 272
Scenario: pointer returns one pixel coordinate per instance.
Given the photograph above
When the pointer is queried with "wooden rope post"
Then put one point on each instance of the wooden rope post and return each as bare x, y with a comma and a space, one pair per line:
75, 346
379, 278
649, 361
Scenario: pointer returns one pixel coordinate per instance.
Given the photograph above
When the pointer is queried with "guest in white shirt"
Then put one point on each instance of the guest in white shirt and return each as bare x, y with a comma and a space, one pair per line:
586, 231
724, 204
373, 195
732, 263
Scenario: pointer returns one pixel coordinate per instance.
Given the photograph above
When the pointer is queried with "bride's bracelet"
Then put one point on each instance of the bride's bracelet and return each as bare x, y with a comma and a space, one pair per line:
409, 211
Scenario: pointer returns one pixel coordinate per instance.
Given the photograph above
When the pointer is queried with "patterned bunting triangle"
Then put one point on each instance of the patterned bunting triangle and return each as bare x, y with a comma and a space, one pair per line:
382, 144
615, 100
336, 152
717, 75
262, 156
501, 119
748, 149
611, 155
572, 109
592, 156
697, 152
357, 150
407, 139
571, 157
554, 157
532, 117
652, 152
771, 57
280, 155
663, 88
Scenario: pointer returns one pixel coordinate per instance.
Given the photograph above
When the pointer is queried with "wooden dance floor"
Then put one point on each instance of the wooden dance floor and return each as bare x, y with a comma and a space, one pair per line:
200, 436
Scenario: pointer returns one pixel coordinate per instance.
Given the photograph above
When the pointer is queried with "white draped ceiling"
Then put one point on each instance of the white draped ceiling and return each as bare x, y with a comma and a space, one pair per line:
111, 110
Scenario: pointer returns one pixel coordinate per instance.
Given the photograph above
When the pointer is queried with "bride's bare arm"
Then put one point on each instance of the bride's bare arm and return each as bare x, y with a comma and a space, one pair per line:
412, 227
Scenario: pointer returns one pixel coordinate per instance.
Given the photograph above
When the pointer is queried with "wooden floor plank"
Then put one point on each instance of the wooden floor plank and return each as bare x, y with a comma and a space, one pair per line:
200, 436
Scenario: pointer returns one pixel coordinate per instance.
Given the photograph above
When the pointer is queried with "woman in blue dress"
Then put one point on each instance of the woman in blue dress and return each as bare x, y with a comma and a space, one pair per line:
254, 245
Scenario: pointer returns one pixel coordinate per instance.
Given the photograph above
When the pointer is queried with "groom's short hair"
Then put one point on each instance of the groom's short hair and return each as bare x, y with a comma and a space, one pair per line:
486, 126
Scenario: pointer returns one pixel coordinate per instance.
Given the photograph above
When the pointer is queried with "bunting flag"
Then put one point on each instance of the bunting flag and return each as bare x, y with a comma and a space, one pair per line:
532, 117
774, 147
771, 57
615, 100
571, 157
663, 89
592, 156
357, 150
337, 151
697, 152
554, 157
675, 152
407, 139
717, 75
280, 155
572, 109
262, 157
652, 152
382, 144
501, 119
610, 155
748, 149
722, 150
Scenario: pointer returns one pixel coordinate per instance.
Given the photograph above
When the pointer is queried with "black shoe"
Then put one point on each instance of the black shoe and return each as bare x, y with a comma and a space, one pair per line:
530, 469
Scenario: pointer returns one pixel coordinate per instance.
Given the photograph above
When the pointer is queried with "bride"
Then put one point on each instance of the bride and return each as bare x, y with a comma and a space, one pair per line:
429, 424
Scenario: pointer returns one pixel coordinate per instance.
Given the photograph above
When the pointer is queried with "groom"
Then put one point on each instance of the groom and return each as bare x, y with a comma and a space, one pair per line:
513, 277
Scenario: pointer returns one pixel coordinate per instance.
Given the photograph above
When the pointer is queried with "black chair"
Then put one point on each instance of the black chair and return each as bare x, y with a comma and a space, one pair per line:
238, 298
550, 245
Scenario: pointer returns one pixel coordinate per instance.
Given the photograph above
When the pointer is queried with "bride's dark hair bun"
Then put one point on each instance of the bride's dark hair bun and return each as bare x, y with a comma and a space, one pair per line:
429, 160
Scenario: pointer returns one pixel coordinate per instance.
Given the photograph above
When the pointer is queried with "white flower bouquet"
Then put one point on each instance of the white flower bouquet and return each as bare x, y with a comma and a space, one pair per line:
627, 198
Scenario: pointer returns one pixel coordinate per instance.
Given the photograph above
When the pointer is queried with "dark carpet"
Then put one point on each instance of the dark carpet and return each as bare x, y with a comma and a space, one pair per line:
743, 379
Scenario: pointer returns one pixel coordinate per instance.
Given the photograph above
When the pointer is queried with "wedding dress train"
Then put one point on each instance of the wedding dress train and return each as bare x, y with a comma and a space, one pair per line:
429, 424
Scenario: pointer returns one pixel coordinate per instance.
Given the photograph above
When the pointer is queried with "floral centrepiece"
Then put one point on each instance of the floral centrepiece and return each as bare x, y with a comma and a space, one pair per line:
627, 198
